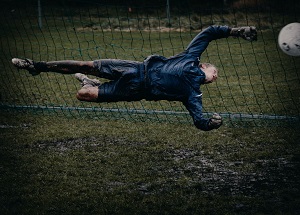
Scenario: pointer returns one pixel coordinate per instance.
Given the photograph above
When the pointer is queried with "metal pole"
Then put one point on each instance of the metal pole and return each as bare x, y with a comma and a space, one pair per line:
168, 13
40, 14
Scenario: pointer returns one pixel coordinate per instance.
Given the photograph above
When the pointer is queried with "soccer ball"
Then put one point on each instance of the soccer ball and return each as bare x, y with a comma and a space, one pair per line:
289, 39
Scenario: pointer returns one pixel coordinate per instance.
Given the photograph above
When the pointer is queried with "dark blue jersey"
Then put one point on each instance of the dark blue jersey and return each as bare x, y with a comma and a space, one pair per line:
178, 78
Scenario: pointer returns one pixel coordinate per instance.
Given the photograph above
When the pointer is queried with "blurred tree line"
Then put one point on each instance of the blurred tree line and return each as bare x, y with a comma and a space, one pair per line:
175, 5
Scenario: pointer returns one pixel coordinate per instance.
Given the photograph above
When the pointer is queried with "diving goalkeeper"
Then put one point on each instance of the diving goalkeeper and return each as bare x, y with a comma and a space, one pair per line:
177, 78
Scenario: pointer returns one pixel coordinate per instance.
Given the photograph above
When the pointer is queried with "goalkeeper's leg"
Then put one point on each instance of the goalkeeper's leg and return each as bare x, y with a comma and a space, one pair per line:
89, 94
63, 67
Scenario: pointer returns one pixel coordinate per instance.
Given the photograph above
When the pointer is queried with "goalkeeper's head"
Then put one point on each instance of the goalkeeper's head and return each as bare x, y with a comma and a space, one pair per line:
211, 72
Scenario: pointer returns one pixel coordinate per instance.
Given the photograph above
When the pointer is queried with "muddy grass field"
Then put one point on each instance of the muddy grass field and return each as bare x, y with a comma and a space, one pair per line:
54, 165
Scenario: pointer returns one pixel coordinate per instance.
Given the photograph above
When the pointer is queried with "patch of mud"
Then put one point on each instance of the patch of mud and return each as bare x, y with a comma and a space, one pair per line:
66, 145
193, 169
15, 126
251, 178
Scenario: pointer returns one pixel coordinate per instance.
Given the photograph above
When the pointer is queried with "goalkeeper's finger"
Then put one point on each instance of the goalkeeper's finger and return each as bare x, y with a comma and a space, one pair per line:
216, 116
215, 121
251, 34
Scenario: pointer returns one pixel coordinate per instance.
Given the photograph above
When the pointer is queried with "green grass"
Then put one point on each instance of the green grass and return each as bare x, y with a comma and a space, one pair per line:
54, 165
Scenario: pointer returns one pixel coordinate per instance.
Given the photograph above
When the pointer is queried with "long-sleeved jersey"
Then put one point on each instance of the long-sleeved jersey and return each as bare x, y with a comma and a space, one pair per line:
178, 78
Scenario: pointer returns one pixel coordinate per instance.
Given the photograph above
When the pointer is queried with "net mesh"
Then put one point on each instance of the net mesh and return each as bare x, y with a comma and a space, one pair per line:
257, 82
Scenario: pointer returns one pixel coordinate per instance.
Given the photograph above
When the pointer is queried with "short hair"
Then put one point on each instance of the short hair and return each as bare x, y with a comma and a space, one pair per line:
208, 65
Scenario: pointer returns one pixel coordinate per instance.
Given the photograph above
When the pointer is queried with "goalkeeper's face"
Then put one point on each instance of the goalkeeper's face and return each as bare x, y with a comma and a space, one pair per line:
211, 74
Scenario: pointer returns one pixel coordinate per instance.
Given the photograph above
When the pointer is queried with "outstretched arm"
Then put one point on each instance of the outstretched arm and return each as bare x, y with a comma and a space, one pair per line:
194, 106
201, 41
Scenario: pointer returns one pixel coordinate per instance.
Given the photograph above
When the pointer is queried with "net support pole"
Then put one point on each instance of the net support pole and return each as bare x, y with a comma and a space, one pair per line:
40, 14
168, 13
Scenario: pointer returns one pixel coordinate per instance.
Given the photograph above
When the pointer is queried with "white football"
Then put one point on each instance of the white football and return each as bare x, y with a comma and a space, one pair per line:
289, 39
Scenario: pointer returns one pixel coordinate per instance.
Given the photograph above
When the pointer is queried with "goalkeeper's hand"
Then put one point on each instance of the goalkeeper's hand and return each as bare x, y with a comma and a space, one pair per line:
215, 121
247, 33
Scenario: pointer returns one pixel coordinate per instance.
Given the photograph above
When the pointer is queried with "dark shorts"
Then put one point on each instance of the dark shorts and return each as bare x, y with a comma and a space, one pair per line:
126, 80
